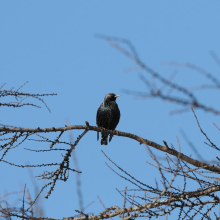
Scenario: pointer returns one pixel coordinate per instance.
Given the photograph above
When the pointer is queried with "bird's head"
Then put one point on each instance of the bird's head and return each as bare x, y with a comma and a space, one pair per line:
111, 97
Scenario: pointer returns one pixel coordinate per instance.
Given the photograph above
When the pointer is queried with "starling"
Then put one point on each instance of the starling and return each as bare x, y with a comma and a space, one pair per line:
108, 116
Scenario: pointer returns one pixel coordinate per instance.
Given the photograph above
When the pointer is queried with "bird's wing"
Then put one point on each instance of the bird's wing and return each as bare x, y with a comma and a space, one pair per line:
101, 117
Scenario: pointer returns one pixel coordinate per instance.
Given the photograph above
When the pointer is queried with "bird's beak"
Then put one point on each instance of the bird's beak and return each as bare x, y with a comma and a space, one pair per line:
117, 96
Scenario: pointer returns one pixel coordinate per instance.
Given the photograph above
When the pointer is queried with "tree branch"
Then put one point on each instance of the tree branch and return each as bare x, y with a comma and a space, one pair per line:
139, 139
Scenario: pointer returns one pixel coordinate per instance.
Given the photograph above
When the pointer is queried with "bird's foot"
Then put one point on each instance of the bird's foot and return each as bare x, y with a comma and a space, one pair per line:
102, 129
117, 132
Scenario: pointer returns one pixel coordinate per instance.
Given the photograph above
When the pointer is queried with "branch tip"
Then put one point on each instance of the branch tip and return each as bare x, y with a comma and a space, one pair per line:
87, 123
166, 145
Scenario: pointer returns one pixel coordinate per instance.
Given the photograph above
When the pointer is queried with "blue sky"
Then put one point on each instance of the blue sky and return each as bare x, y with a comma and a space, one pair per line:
52, 45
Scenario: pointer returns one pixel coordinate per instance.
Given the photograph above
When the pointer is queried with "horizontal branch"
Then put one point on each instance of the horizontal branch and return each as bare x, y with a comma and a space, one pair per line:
141, 140
139, 209
116, 211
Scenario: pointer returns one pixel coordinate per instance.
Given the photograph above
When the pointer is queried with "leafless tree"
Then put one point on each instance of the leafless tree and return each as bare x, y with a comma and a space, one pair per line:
143, 200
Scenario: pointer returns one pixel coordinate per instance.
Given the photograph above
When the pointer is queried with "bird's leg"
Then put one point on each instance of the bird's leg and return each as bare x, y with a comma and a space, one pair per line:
98, 133
111, 135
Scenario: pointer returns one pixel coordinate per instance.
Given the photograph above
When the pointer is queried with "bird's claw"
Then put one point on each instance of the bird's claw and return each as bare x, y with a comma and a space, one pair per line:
102, 129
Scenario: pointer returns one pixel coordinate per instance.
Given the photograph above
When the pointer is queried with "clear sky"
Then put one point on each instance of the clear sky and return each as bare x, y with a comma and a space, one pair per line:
52, 45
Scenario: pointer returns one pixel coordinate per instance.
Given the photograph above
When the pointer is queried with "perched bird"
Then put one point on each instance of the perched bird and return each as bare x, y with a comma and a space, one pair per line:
108, 116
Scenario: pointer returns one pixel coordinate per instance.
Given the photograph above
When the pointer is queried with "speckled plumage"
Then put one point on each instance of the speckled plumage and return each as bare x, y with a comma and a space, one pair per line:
108, 116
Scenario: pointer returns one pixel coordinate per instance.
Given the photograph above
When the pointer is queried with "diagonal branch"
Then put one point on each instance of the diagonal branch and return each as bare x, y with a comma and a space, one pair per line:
139, 139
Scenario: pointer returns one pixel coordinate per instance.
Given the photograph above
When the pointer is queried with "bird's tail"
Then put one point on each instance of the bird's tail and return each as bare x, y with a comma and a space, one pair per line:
104, 140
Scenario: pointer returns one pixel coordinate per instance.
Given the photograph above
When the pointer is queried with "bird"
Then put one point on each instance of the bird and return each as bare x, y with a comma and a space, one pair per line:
108, 116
